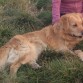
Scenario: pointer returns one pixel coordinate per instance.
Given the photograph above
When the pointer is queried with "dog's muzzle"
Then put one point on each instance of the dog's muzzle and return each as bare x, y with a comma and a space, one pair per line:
72, 35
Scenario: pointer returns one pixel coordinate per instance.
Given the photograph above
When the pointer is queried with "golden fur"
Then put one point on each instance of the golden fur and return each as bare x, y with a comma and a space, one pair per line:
26, 48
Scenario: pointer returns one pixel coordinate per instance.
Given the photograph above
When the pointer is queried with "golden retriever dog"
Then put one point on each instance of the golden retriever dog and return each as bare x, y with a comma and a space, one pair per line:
25, 49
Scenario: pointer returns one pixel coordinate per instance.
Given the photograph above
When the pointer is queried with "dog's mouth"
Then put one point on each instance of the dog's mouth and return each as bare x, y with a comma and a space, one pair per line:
72, 35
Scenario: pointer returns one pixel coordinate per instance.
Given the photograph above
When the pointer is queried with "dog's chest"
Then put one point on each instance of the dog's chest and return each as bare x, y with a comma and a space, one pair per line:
58, 46
61, 47
71, 45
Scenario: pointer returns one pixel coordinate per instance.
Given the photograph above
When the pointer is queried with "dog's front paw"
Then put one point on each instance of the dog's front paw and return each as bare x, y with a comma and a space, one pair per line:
79, 53
35, 66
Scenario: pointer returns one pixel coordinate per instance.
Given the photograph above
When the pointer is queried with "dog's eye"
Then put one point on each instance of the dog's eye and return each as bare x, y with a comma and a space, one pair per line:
74, 25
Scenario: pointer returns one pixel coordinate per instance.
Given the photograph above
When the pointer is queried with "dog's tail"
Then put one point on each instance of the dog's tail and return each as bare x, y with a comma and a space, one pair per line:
4, 52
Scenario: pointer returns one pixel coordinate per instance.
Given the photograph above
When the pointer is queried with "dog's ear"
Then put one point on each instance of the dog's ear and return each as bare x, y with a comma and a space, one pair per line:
64, 22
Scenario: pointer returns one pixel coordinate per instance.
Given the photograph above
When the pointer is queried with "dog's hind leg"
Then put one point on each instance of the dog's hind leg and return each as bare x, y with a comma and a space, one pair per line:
14, 68
31, 59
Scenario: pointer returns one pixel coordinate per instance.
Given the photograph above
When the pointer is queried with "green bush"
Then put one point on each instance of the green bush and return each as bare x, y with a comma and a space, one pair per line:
45, 17
42, 4
11, 12
2, 2
6, 33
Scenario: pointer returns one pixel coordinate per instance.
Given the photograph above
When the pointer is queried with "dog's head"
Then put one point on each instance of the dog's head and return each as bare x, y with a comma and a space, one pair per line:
72, 24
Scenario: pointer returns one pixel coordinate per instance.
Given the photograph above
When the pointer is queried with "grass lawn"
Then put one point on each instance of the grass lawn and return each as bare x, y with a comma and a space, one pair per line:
21, 16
